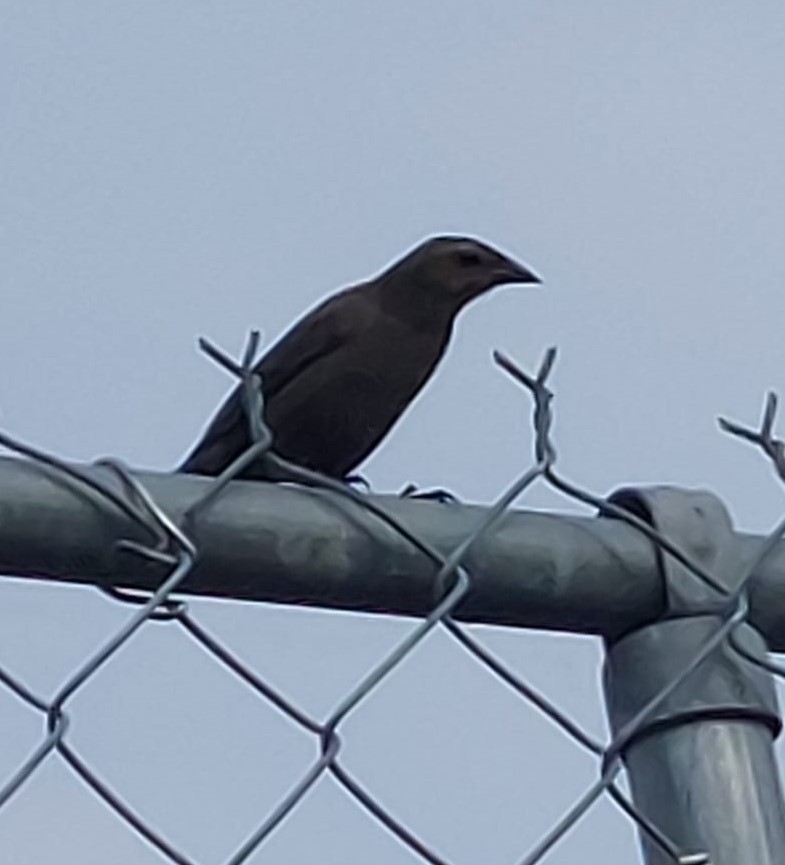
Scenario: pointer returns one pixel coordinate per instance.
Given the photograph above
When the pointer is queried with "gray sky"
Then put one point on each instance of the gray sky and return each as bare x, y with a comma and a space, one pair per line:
177, 169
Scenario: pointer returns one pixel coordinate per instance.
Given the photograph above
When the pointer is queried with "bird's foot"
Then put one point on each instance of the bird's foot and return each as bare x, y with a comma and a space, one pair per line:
358, 481
445, 497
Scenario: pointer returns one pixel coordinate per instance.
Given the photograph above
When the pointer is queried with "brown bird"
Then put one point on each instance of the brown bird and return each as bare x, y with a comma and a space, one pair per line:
336, 382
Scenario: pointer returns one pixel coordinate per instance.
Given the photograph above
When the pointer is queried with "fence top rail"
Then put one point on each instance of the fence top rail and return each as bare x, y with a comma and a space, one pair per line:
285, 544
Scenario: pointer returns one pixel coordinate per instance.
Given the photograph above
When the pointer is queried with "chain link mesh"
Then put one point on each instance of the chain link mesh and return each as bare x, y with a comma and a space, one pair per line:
171, 545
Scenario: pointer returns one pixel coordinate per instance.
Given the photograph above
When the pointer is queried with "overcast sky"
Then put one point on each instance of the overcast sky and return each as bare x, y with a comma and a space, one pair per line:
175, 169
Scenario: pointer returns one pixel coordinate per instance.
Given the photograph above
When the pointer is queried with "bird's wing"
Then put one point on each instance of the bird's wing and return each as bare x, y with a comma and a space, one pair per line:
314, 337
317, 335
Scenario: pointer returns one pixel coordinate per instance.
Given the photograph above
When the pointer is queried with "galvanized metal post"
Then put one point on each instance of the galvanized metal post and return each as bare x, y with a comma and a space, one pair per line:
702, 766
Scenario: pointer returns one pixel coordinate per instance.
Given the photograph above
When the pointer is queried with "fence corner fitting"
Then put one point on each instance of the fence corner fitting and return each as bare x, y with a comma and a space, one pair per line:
692, 708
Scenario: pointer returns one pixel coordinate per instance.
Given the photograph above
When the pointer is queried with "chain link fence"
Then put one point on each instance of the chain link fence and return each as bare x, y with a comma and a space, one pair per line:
171, 545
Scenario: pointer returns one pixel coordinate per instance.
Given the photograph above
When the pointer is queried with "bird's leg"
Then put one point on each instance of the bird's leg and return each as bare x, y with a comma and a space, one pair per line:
445, 497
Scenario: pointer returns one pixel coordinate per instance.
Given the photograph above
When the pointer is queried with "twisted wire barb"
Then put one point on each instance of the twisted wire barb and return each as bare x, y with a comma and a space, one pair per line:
774, 449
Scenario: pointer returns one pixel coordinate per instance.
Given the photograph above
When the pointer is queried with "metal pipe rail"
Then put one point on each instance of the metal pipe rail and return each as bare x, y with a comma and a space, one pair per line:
280, 544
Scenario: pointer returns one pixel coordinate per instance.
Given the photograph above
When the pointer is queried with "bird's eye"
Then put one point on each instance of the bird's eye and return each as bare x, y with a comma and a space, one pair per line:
467, 258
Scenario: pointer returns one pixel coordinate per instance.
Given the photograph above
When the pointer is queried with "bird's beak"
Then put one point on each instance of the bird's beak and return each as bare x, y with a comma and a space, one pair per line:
510, 271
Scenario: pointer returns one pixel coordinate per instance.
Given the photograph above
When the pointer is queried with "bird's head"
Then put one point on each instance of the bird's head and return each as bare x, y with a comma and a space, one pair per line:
454, 270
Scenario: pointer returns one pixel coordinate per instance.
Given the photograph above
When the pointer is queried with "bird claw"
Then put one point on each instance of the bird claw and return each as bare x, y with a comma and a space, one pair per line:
358, 481
445, 497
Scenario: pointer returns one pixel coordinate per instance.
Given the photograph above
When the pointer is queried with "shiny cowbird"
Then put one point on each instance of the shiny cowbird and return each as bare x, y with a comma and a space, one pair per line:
339, 379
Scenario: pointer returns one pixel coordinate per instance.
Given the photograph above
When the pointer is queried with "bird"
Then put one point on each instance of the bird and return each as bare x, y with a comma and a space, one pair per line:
337, 381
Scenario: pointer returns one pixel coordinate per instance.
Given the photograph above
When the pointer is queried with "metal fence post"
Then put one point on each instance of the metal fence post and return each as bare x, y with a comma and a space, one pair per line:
702, 767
